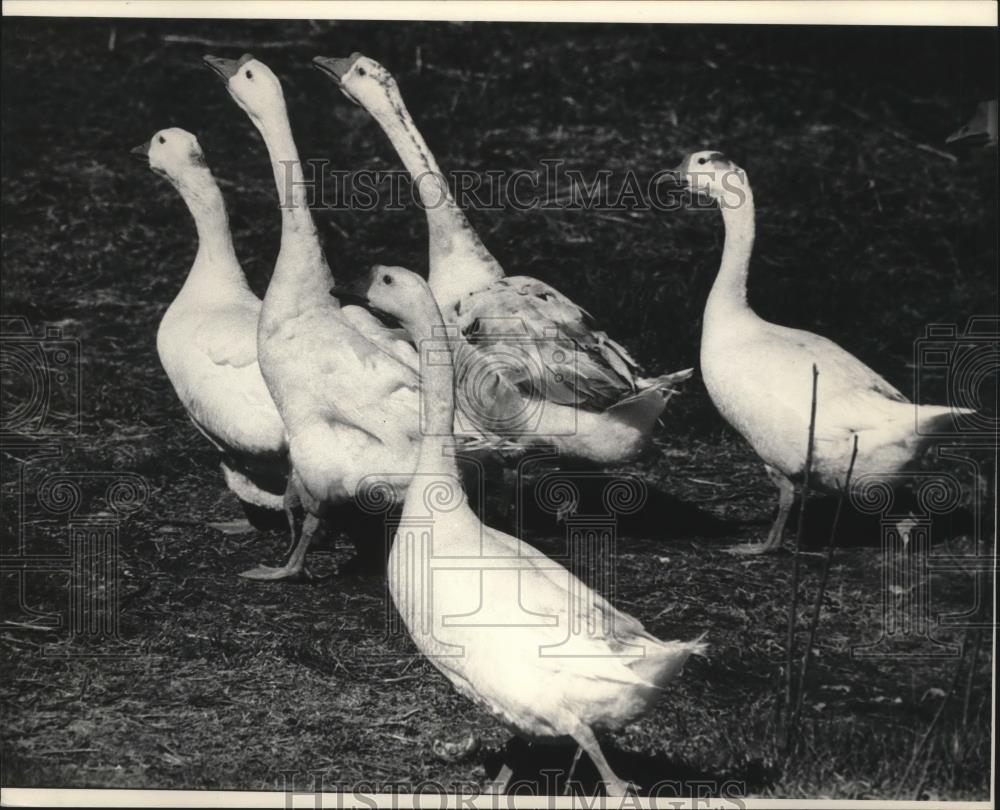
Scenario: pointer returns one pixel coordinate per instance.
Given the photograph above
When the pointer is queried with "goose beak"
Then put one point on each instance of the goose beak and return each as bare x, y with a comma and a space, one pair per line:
226, 68
141, 152
334, 67
356, 292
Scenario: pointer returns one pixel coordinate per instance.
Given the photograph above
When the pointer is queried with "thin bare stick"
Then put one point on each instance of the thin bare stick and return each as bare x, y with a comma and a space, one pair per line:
901, 136
794, 602
25, 626
818, 604
967, 697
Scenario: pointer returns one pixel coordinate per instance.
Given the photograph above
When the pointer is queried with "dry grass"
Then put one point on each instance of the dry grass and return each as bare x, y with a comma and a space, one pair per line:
862, 236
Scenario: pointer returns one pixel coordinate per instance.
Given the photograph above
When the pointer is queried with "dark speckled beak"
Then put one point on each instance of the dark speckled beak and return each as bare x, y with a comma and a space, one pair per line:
347, 296
356, 292
336, 67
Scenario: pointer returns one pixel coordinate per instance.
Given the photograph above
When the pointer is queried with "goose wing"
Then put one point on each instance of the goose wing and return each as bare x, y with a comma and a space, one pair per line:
211, 361
228, 337
549, 588
777, 369
845, 370
352, 377
544, 344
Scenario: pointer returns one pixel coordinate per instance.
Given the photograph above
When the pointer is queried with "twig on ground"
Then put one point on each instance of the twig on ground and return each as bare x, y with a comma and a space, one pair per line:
794, 603
709, 483
399, 678
620, 220
170, 521
399, 720
824, 578
26, 626
731, 496
56, 751
234, 44
900, 136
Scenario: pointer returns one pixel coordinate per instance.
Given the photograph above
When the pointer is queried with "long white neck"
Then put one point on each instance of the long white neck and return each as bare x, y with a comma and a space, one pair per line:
301, 277
459, 261
728, 298
437, 391
435, 496
216, 270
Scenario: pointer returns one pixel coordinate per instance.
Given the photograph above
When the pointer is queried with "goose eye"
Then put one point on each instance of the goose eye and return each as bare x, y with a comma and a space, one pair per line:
387, 279
702, 161
161, 139
249, 74
362, 71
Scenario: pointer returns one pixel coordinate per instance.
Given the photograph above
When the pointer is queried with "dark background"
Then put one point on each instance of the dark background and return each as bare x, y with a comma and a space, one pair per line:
865, 235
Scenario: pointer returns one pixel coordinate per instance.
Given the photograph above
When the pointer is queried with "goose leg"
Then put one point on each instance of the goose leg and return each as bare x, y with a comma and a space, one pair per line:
786, 497
572, 770
585, 738
508, 496
303, 527
501, 482
498, 786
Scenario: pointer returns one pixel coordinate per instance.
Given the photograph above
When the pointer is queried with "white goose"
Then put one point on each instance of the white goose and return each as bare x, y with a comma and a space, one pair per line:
346, 387
511, 629
207, 339
578, 388
759, 374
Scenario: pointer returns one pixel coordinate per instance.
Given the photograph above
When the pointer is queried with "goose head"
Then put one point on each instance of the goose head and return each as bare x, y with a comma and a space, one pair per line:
392, 293
713, 175
251, 83
363, 80
172, 153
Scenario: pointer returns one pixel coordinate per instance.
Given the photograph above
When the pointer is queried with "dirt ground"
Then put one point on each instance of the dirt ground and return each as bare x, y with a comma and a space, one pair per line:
866, 233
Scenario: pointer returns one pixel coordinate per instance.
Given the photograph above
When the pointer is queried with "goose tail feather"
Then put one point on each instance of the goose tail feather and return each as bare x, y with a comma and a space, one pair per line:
933, 419
250, 492
667, 383
639, 411
642, 409
664, 662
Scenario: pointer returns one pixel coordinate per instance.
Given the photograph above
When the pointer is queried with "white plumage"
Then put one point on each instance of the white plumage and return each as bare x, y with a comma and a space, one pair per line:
759, 374
346, 386
564, 380
511, 629
207, 339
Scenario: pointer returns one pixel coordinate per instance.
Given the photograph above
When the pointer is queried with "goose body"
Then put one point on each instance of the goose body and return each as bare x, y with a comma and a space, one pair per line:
566, 382
771, 406
346, 387
759, 374
207, 338
510, 628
